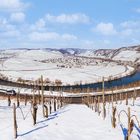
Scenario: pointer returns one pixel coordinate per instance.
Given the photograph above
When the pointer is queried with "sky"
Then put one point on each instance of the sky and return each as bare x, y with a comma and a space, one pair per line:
94, 24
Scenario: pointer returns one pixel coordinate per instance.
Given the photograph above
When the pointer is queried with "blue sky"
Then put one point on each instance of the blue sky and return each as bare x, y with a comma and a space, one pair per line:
69, 24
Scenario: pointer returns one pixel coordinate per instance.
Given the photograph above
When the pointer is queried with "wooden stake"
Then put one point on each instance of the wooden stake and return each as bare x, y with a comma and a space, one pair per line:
9, 100
134, 96
25, 99
50, 105
113, 117
120, 98
15, 121
42, 96
39, 99
95, 104
116, 98
34, 109
54, 101
46, 111
129, 129
17, 96
103, 98
98, 106
112, 99
126, 97
109, 98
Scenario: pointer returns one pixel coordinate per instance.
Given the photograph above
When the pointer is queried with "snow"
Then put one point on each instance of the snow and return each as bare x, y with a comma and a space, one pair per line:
28, 65
123, 54
72, 121
127, 55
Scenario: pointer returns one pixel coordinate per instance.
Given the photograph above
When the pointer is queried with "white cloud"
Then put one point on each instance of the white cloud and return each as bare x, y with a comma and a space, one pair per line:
8, 30
105, 29
37, 36
50, 36
17, 17
5, 26
130, 24
87, 43
12, 5
67, 18
127, 32
106, 42
137, 10
39, 25
69, 37
10, 34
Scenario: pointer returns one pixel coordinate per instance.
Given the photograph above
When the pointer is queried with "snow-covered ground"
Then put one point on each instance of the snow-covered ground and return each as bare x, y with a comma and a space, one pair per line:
24, 91
72, 121
131, 54
127, 55
31, 64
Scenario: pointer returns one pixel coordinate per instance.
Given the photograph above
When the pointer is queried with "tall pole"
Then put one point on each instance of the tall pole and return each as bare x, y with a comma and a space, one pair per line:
42, 96
103, 97
15, 121
129, 131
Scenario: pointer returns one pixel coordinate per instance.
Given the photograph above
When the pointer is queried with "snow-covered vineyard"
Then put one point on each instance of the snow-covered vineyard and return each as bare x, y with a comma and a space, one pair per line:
64, 68
37, 114
94, 119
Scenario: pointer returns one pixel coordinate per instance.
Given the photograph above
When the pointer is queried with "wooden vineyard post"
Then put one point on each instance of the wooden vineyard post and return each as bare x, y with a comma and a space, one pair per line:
39, 100
98, 106
112, 98
58, 102
42, 96
120, 98
109, 98
61, 101
34, 109
9, 100
54, 101
15, 121
103, 99
129, 129
50, 105
25, 99
46, 111
17, 96
92, 102
116, 98
113, 117
134, 96
126, 97
95, 103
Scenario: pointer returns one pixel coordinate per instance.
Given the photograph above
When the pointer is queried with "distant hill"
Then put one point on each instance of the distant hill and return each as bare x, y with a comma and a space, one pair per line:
131, 53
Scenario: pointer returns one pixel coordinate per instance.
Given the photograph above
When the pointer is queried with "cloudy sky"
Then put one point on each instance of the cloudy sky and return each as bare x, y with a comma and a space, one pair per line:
69, 23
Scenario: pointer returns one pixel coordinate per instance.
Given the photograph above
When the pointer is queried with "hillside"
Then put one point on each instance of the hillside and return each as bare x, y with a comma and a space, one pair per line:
124, 53
63, 65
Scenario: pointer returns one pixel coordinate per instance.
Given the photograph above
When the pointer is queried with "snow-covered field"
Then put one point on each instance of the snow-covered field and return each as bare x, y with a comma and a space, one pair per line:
127, 55
53, 65
72, 121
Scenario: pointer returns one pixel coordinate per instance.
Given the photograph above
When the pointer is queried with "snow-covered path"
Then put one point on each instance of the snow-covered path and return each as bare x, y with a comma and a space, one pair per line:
72, 122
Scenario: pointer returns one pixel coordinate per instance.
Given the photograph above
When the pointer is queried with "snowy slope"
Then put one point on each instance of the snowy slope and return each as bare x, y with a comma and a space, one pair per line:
124, 53
76, 122
71, 122
53, 64
127, 55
